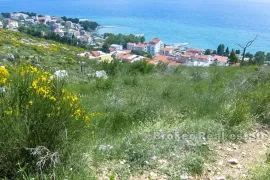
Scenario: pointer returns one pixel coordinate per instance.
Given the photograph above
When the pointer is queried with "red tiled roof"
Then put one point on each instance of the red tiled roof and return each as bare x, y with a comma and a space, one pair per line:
155, 41
95, 53
194, 50
221, 58
164, 59
202, 57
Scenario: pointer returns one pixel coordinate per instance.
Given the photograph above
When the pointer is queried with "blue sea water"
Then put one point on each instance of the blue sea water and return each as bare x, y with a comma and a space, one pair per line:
202, 23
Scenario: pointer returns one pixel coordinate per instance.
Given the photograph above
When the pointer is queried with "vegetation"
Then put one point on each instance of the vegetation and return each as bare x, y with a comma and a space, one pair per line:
123, 39
137, 116
43, 31
142, 53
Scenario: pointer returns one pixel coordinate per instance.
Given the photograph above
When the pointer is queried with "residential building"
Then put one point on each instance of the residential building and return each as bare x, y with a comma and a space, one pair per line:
1, 25
31, 20
130, 46
166, 51
117, 47
154, 46
12, 24
74, 32
221, 60
69, 24
140, 47
59, 32
194, 51
85, 38
18, 16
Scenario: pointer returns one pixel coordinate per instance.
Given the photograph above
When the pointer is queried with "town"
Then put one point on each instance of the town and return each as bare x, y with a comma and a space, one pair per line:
82, 32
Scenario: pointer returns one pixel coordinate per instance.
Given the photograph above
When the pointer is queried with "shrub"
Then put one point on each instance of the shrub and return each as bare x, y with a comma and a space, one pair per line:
194, 164
142, 67
40, 122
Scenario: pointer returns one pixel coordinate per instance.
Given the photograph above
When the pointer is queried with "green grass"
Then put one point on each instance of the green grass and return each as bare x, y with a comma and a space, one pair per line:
145, 110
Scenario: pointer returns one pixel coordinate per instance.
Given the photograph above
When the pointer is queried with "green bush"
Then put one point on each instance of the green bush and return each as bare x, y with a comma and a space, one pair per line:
40, 123
194, 164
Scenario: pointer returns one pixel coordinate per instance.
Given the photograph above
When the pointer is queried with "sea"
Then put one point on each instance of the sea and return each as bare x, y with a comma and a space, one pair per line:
202, 23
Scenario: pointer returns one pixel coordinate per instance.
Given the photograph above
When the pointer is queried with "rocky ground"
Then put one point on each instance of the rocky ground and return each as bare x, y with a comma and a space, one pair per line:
234, 160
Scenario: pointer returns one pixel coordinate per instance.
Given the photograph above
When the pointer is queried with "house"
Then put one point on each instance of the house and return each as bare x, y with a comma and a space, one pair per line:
154, 46
1, 25
12, 24
30, 20
74, 32
161, 58
166, 51
117, 47
130, 46
99, 55
221, 60
69, 24
127, 56
140, 47
85, 38
194, 51
47, 19
59, 32
18, 16
170, 61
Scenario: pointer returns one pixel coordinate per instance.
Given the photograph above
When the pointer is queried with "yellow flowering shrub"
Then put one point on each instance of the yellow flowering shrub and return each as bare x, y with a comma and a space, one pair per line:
36, 110
3, 76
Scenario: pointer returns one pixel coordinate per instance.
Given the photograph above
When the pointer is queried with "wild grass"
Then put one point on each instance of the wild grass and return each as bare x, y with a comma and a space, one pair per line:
138, 115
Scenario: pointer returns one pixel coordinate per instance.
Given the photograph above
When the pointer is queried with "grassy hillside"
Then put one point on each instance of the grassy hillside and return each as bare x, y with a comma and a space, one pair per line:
139, 114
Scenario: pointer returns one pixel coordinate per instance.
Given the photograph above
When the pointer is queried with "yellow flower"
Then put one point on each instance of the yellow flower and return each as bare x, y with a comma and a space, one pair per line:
52, 98
30, 102
43, 78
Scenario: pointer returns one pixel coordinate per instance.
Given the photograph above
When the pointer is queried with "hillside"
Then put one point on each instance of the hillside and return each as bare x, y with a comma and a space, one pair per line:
147, 122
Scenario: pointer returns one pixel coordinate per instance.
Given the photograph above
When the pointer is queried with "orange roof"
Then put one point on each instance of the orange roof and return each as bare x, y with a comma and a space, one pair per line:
194, 50
127, 51
95, 53
162, 58
174, 63
221, 58
189, 54
151, 62
155, 41
202, 57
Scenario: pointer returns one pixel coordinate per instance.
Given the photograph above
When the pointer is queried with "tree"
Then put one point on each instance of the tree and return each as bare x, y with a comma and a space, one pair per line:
105, 48
221, 49
268, 57
233, 58
214, 52
245, 48
259, 57
227, 52
207, 52
238, 52
249, 55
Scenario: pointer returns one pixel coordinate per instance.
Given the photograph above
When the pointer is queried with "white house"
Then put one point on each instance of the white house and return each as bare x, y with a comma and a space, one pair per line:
154, 46
59, 32
166, 51
1, 25
18, 16
13, 24
117, 47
